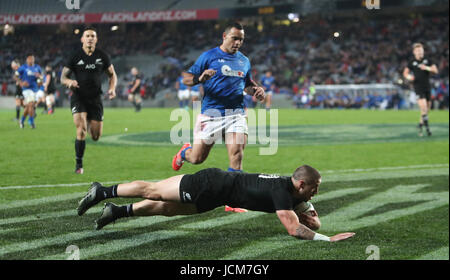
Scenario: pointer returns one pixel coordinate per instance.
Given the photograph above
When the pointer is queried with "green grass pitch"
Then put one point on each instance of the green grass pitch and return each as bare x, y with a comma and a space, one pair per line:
380, 180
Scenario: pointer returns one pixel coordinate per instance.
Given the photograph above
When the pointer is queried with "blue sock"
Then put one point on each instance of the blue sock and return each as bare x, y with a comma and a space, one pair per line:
183, 153
234, 170
31, 120
23, 119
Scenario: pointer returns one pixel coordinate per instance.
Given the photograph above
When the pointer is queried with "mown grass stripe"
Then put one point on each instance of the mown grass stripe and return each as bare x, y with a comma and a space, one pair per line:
42, 216
263, 246
439, 254
121, 244
229, 218
350, 216
70, 237
43, 200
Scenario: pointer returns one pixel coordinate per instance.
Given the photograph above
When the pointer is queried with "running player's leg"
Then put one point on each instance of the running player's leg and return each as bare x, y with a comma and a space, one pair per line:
95, 120
268, 101
80, 121
95, 129
138, 102
199, 152
423, 105
235, 143
18, 106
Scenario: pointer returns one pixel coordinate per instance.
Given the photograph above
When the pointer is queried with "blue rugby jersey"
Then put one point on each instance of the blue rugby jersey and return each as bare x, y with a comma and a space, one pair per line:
27, 73
225, 89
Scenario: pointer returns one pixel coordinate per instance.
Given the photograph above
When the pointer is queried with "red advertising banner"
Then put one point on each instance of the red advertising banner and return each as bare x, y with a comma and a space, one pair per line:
175, 15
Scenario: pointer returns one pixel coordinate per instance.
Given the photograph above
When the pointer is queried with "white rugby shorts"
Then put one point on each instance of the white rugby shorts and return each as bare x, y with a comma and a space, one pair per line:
183, 94
28, 96
210, 129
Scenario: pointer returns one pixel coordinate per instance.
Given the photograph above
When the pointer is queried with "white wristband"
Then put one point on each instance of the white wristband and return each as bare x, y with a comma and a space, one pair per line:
321, 237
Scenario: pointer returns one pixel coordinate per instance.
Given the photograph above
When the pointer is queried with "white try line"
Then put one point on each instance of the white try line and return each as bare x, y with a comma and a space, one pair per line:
343, 171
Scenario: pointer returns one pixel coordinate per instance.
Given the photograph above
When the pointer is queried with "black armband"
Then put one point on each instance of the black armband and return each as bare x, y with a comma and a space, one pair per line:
195, 80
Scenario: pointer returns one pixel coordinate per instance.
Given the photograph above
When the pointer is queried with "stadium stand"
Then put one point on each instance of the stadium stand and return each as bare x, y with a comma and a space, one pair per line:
301, 55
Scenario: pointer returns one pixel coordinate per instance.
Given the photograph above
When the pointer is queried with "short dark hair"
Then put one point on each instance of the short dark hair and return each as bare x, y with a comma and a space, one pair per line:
236, 25
87, 28
307, 173
30, 54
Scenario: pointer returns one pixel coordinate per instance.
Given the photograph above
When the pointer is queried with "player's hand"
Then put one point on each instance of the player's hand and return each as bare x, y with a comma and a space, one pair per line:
72, 84
423, 67
310, 219
341, 236
24, 84
259, 93
112, 93
206, 75
410, 78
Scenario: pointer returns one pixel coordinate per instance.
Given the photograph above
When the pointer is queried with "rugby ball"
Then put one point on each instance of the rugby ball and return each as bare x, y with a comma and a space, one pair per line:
304, 207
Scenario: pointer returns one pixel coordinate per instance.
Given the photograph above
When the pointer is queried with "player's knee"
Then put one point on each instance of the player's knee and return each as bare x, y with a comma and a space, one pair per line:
197, 159
150, 191
81, 132
95, 137
169, 210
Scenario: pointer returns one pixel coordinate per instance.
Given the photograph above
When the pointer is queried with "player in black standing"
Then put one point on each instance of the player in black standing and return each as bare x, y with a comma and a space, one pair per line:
49, 89
87, 64
134, 87
421, 67
15, 64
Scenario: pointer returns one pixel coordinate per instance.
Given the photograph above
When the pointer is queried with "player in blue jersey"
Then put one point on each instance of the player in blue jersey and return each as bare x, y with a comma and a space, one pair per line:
183, 92
30, 77
268, 82
224, 73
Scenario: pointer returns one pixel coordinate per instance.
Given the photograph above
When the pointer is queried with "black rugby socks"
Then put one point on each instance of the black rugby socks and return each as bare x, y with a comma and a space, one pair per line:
80, 146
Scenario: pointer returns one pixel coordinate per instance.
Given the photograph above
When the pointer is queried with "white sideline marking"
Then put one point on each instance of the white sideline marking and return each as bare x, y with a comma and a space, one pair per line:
323, 172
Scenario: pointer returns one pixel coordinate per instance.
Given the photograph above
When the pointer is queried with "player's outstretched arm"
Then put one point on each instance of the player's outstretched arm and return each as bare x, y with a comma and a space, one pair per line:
292, 224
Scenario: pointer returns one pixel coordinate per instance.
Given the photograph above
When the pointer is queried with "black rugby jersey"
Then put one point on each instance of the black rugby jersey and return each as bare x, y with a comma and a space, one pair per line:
421, 77
87, 70
258, 192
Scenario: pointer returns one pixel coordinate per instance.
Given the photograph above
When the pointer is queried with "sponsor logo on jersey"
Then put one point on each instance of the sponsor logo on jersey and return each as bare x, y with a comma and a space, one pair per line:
90, 66
81, 62
98, 61
227, 71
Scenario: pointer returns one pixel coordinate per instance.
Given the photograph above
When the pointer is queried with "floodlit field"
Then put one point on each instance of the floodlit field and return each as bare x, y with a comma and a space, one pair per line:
380, 180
